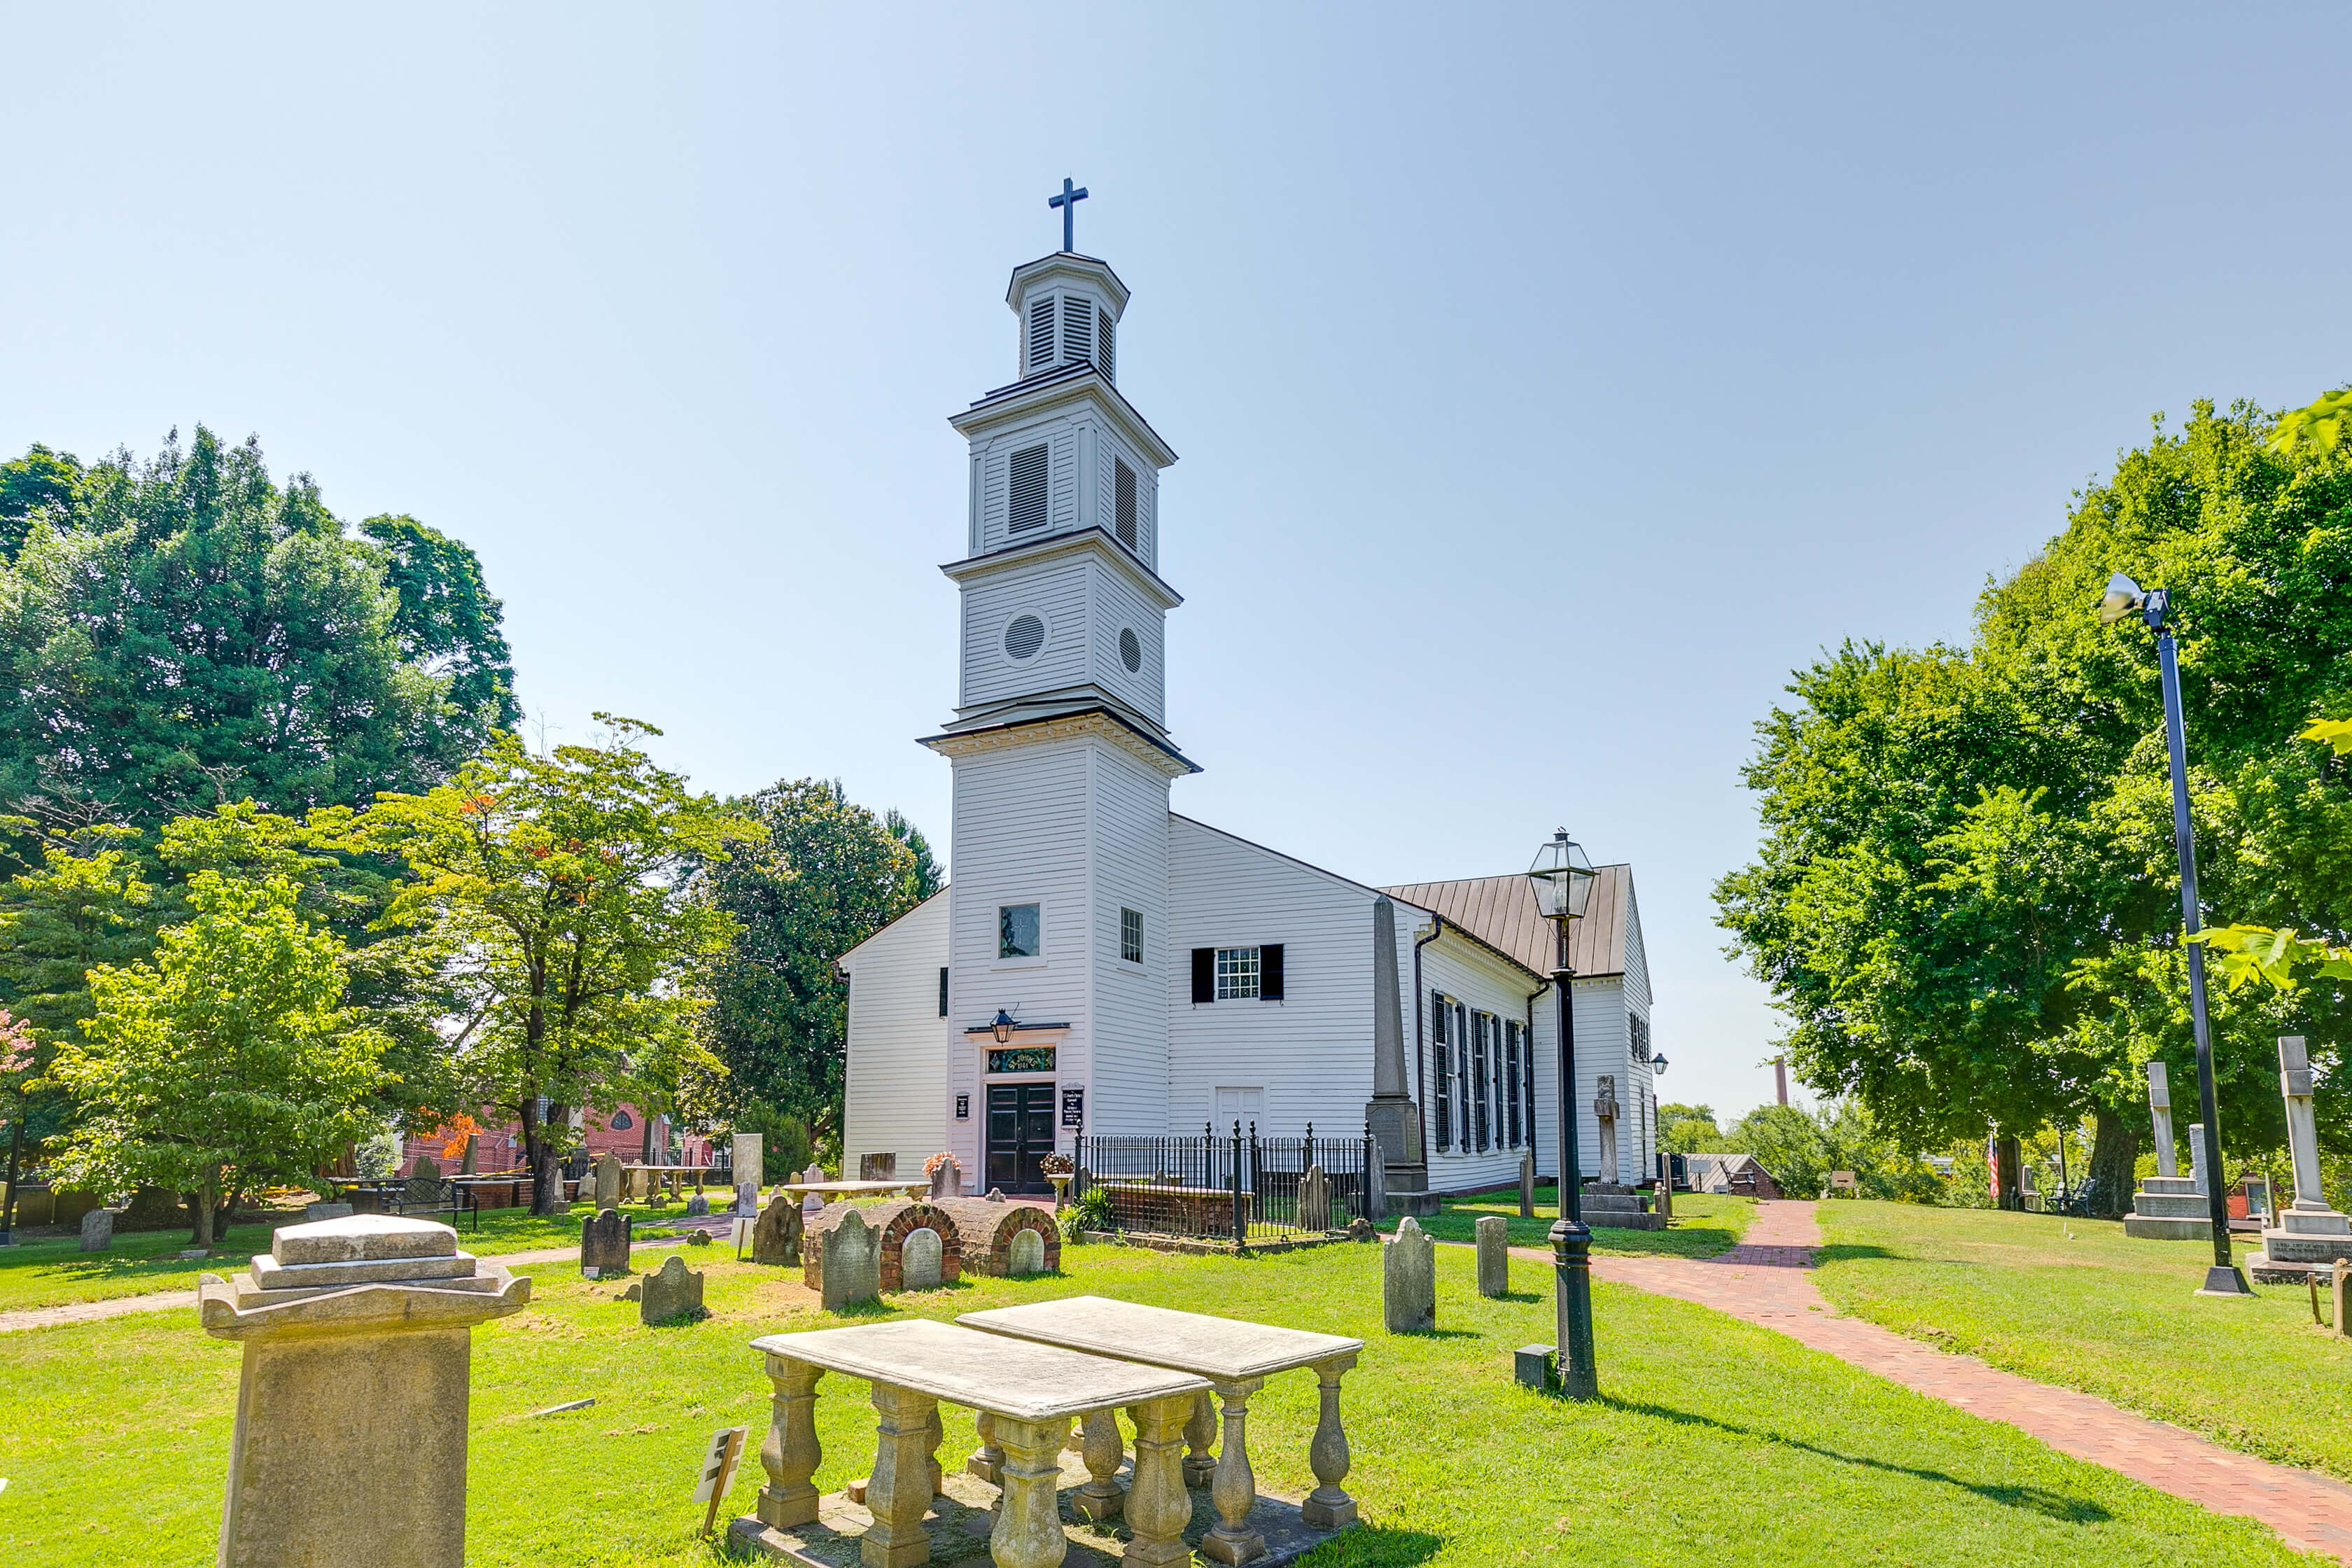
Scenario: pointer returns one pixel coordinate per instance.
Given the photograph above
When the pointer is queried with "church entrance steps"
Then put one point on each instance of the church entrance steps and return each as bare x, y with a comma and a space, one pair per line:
1767, 1279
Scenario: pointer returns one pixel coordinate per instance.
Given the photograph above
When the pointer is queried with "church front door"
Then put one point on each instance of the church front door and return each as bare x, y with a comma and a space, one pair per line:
1020, 1136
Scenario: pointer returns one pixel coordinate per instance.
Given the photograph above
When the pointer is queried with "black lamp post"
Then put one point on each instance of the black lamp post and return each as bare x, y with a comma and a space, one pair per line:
2124, 597
1563, 876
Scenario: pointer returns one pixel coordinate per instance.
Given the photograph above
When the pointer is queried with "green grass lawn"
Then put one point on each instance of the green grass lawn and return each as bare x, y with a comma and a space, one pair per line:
2102, 1312
1704, 1224
1719, 1442
52, 1273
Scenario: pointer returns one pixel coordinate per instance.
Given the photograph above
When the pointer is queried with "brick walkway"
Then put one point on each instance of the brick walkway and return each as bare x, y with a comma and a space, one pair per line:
1765, 1280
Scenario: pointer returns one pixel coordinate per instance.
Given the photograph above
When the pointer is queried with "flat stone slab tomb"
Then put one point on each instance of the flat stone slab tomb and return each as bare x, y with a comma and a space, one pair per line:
1026, 1396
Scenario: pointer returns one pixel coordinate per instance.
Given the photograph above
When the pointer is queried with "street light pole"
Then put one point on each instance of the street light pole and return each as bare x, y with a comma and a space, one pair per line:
2124, 597
1562, 877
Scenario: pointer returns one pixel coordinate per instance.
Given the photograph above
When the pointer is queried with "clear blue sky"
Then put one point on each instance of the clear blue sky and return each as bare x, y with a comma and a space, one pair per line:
1547, 384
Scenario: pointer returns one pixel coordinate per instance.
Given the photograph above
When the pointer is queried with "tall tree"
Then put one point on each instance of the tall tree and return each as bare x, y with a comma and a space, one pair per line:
826, 875
186, 631
553, 887
226, 1059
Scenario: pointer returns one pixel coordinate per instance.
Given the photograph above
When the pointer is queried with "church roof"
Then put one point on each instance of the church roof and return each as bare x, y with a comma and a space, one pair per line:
1501, 912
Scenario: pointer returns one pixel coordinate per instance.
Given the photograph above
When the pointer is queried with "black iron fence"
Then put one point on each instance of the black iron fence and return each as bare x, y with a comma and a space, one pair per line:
1237, 1187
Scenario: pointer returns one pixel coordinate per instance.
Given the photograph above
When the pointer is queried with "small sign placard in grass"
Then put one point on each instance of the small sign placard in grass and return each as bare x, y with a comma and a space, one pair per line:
718, 1470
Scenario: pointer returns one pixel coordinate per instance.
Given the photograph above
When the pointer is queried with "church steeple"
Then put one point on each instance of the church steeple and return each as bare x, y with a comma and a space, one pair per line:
1069, 306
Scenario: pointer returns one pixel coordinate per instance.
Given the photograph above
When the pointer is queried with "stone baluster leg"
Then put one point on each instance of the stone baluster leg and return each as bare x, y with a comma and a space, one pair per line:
789, 1454
1200, 1433
987, 1461
1100, 1498
899, 1491
1234, 1488
1157, 1508
1326, 1506
939, 1436
1028, 1529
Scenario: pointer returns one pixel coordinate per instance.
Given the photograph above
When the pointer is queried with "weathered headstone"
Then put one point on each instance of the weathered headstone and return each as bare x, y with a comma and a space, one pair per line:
851, 1264
747, 1200
1528, 1183
370, 1302
920, 1258
1604, 1111
776, 1239
674, 1291
878, 1167
1409, 1279
697, 1207
604, 1243
747, 1153
98, 1230
1493, 1232
2159, 1112
424, 1165
315, 1212
947, 1181
609, 1172
2304, 1237
814, 1202
1025, 1253
467, 1166
1314, 1200
2197, 1157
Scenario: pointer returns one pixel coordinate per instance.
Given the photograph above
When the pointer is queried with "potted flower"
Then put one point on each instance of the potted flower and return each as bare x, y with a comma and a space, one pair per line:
1058, 1169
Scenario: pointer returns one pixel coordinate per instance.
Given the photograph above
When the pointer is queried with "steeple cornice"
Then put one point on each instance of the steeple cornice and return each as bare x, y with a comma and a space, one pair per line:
1049, 390
1071, 264
1091, 541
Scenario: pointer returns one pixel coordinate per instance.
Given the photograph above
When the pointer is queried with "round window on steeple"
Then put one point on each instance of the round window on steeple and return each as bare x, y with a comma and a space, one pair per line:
1130, 652
1025, 636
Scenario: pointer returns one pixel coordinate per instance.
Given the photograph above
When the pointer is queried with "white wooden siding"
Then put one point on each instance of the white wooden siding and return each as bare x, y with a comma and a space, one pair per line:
1483, 983
897, 1093
1114, 605
1128, 1092
1056, 593
1110, 447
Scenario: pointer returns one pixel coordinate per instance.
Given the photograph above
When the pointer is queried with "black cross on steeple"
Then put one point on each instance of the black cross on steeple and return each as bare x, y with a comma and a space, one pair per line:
1068, 202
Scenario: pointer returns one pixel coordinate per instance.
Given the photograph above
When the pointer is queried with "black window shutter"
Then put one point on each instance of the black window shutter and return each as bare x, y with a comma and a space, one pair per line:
1205, 974
943, 992
1437, 1016
1269, 971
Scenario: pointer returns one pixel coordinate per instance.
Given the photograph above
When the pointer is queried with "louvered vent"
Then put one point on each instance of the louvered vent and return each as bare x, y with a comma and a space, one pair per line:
1106, 360
1041, 334
1027, 487
1126, 486
1025, 636
1078, 328
1130, 652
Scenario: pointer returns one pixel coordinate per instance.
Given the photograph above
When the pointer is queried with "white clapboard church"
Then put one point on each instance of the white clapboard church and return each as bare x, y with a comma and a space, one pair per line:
1148, 973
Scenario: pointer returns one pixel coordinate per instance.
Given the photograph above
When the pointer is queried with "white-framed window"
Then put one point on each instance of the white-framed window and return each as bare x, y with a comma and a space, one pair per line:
1130, 935
1020, 930
1237, 974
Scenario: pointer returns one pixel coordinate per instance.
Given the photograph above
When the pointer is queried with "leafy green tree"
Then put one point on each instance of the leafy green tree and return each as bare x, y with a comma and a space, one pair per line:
552, 890
1965, 898
185, 632
1800, 1148
226, 1059
1688, 1129
826, 875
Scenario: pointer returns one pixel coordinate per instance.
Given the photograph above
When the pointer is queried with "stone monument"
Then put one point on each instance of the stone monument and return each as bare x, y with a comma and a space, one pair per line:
947, 1181
424, 1165
747, 1200
609, 1175
776, 1239
850, 1264
1314, 1200
465, 1166
1393, 1118
921, 1258
1493, 1255
675, 1291
2197, 1162
747, 1153
812, 1202
1528, 1183
604, 1243
1409, 1281
2168, 1205
2307, 1236
1025, 1253
878, 1167
98, 1230
697, 1207
317, 1473
1609, 1202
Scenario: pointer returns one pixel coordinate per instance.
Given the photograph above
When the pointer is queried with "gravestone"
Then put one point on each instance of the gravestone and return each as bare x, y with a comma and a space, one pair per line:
98, 1230
697, 1207
1528, 1184
604, 1243
2197, 1162
947, 1182
1604, 1112
814, 1202
1409, 1279
2168, 1206
1493, 1233
2307, 1236
747, 1155
878, 1167
776, 1239
674, 1291
424, 1165
608, 1181
747, 1200
1025, 1253
467, 1166
325, 1211
920, 1256
1314, 1200
350, 1441
851, 1264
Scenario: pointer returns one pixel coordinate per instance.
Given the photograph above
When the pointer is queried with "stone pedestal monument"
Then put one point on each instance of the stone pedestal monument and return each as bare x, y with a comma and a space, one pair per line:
2168, 1205
1609, 1202
2307, 1236
1393, 1118
351, 1412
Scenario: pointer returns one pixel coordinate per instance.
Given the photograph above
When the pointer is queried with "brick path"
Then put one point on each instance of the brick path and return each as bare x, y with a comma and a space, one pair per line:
1765, 1280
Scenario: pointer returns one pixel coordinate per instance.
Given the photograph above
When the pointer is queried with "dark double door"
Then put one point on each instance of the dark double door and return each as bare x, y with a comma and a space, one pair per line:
1020, 1136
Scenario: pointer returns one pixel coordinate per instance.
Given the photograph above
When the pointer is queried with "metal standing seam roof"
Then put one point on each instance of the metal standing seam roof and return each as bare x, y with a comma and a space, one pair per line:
1501, 912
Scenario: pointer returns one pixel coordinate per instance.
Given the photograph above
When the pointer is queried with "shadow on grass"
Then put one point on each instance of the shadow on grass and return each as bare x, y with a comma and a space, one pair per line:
1370, 1546
2034, 1500
1840, 1251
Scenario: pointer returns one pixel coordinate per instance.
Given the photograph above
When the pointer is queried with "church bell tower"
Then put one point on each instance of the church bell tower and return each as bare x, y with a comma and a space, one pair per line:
1056, 1005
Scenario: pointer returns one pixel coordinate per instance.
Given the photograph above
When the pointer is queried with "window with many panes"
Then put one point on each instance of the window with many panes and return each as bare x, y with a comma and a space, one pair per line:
1481, 1045
1440, 1068
1019, 932
1237, 974
1511, 1083
1130, 935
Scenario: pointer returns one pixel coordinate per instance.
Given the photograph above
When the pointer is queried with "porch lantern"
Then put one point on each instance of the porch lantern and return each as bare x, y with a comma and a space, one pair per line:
1002, 1027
